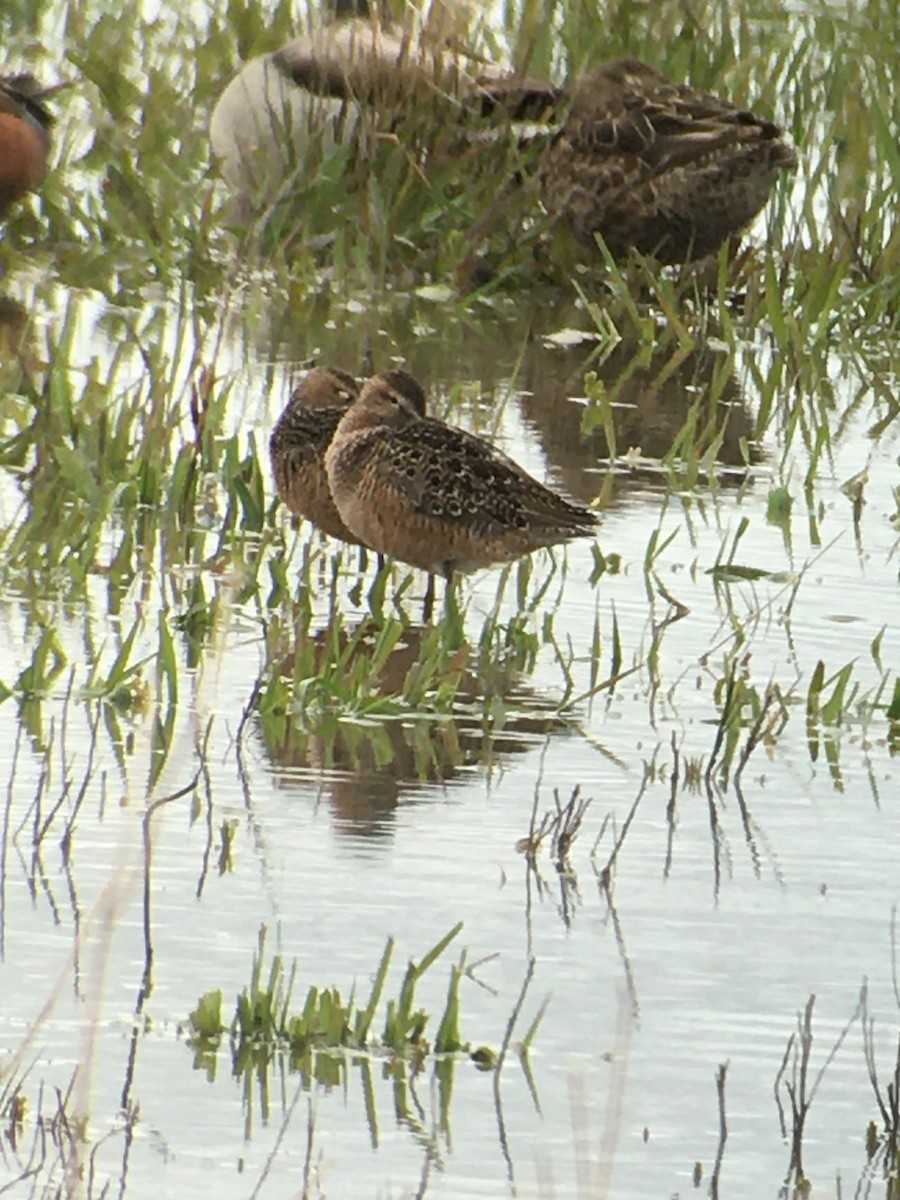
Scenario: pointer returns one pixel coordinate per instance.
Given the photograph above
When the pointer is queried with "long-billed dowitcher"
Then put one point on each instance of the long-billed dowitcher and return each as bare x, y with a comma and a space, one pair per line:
298, 443
659, 167
435, 496
25, 123
314, 88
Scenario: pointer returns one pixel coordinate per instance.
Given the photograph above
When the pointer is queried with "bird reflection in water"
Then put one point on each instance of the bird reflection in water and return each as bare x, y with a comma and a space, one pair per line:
365, 768
653, 401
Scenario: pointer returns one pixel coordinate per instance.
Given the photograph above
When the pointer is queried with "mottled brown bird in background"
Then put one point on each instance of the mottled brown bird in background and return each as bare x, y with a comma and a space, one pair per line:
658, 167
25, 124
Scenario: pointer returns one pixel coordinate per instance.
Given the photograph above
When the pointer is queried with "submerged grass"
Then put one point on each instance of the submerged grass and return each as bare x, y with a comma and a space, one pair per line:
264, 1023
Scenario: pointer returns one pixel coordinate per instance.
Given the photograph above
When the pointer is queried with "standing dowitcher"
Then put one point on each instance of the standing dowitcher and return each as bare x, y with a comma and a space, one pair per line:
434, 496
659, 167
298, 443
25, 125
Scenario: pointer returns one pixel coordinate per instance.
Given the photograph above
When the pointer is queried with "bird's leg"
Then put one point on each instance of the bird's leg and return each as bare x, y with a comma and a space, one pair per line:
363, 564
450, 593
428, 602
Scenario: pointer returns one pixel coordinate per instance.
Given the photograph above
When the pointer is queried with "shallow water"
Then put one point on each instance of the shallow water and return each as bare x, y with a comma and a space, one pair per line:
729, 911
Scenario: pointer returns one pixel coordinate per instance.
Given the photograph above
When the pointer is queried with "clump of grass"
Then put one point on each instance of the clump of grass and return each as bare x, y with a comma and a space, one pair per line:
13, 1116
752, 715
387, 667
116, 465
794, 1081
376, 668
383, 699
561, 824
265, 1022
44, 1139
883, 1144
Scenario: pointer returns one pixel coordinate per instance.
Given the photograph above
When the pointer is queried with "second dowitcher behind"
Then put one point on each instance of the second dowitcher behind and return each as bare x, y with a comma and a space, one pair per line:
298, 443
